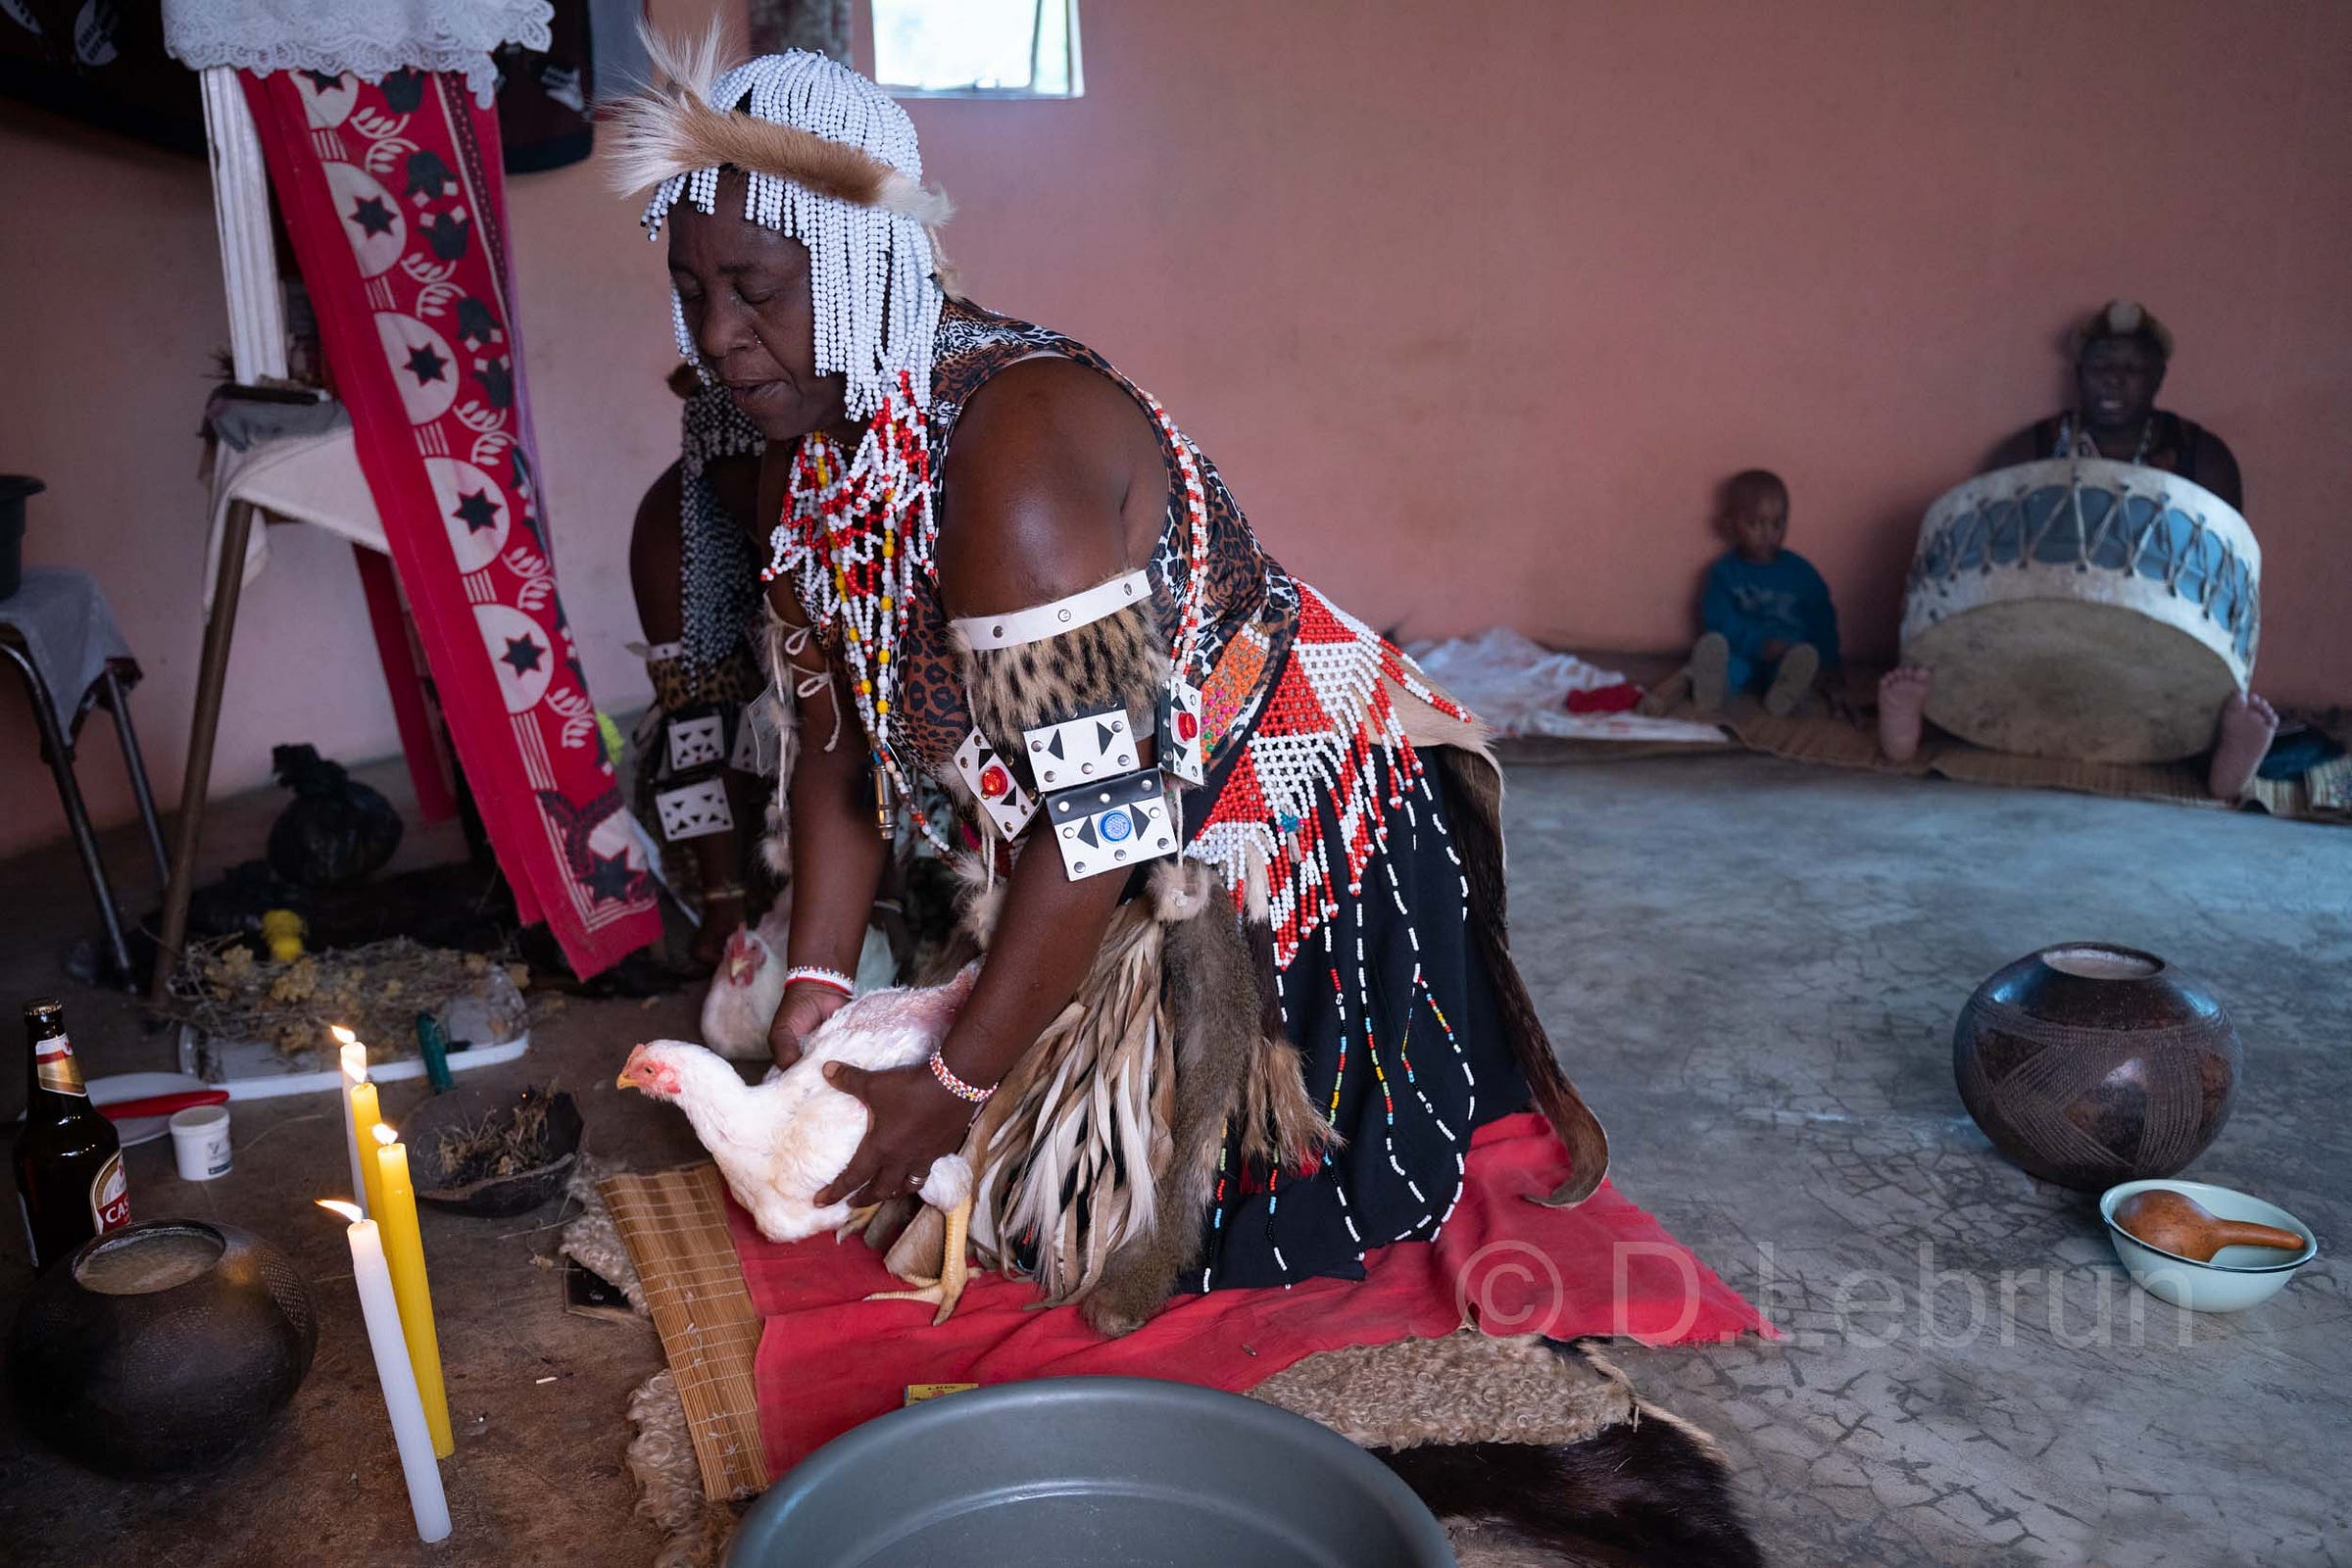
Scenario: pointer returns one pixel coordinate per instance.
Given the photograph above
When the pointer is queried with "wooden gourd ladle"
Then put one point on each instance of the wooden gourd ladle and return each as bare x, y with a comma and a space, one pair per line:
2177, 1223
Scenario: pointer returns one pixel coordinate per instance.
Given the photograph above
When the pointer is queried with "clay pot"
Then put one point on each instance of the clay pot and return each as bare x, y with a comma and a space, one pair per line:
163, 1347
2090, 1065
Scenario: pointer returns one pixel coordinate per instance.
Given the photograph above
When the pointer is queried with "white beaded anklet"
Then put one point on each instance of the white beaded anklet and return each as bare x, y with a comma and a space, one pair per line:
819, 974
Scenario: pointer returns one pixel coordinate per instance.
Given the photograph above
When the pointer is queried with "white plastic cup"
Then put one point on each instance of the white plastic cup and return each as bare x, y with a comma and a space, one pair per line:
200, 1142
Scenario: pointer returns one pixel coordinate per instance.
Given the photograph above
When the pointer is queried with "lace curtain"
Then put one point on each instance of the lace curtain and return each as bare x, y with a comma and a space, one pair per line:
369, 38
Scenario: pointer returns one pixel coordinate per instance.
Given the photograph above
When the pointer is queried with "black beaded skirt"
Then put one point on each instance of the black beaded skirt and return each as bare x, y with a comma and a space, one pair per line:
1392, 1012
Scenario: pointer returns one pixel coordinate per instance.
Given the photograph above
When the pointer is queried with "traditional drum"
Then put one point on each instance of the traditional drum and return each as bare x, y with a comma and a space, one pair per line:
2083, 608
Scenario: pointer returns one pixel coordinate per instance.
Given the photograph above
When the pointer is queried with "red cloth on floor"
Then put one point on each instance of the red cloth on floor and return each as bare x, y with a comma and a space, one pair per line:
829, 1362
1621, 697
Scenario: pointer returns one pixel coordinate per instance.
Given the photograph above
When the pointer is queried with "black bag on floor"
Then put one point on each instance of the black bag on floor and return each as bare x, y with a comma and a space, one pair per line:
336, 831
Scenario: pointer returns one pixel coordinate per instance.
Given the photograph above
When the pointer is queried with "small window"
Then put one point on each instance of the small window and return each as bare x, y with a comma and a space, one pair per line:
978, 48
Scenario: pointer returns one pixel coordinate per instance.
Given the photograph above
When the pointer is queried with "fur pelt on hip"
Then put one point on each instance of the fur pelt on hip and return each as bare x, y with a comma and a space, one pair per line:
1098, 1152
1119, 662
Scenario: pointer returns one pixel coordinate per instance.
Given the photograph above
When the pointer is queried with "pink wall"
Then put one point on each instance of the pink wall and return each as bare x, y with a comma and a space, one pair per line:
1472, 304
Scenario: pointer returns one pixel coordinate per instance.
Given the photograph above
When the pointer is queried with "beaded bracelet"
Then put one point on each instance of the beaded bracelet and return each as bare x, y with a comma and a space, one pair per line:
954, 1085
818, 974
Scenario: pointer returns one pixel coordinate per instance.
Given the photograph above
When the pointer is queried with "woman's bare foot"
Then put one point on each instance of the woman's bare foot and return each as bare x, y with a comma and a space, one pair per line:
1902, 711
2241, 740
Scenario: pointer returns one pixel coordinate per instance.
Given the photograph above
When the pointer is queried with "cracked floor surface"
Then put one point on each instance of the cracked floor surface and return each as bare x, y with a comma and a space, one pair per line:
1752, 969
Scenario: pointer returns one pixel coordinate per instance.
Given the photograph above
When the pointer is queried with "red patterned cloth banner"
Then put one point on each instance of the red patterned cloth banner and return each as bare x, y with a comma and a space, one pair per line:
392, 197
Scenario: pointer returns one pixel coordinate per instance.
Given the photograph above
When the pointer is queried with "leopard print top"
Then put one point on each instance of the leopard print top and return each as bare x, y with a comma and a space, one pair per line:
1251, 605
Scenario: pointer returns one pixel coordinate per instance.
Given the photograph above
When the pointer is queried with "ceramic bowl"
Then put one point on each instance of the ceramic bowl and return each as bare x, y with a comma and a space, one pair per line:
499, 1196
2238, 1277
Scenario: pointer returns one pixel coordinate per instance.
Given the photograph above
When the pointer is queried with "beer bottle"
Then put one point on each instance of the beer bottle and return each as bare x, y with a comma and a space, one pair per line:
68, 1162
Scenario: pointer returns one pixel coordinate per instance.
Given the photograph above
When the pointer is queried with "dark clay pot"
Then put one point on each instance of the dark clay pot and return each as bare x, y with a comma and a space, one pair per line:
2090, 1064
165, 1347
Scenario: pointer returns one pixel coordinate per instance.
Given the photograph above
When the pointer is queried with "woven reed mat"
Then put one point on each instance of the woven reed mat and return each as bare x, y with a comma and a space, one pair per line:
674, 1223
2322, 795
1466, 1387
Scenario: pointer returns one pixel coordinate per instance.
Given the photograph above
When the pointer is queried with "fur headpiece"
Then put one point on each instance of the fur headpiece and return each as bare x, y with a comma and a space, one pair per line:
830, 161
2123, 318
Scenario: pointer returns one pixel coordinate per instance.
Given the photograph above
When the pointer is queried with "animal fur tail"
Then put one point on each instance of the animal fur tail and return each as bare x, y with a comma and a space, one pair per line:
1477, 796
1646, 1493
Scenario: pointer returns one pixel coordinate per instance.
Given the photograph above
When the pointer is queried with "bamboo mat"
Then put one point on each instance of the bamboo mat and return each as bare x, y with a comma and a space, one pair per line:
675, 1224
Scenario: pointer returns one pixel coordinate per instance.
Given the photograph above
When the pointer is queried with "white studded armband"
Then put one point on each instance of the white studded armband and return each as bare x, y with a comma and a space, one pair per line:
980, 633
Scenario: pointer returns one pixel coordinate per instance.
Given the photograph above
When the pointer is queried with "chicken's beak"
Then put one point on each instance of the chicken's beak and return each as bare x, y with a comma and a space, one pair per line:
630, 1069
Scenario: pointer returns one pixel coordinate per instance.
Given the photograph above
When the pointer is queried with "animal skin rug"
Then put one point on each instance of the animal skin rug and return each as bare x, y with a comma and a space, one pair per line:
1535, 1454
591, 1240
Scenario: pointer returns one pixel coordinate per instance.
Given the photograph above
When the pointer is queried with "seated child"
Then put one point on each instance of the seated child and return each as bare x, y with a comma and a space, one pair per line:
1767, 613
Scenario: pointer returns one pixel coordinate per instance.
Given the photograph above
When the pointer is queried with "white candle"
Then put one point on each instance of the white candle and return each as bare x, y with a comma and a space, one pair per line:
401, 1403
355, 1071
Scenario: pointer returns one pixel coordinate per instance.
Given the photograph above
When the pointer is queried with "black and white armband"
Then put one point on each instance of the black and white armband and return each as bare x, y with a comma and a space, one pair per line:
701, 733
1062, 696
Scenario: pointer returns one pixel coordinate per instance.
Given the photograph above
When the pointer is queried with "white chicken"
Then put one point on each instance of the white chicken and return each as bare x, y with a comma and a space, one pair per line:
781, 1142
748, 986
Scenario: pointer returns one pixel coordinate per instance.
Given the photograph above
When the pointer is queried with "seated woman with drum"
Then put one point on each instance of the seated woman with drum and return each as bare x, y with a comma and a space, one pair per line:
2121, 353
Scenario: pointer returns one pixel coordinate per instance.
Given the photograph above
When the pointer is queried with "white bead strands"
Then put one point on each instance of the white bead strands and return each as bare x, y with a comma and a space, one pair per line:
876, 301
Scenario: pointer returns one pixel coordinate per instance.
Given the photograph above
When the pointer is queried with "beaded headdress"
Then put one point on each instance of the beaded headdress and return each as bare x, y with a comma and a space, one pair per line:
2123, 318
830, 161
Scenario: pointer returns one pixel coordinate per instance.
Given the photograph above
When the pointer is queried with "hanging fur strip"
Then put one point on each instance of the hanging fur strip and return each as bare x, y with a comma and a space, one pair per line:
676, 128
1070, 1145
1099, 1153
1477, 830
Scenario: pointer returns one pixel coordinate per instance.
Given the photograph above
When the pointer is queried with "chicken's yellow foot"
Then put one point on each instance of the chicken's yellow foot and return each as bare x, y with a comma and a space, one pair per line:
948, 1288
859, 1221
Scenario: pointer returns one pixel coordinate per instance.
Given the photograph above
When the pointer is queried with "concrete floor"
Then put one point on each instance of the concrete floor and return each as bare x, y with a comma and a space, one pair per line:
1752, 968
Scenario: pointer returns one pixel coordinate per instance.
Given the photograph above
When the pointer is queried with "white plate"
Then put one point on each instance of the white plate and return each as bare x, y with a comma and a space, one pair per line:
116, 1087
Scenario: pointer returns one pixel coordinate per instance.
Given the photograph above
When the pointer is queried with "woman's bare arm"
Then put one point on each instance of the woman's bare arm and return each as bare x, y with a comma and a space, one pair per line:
1054, 468
838, 852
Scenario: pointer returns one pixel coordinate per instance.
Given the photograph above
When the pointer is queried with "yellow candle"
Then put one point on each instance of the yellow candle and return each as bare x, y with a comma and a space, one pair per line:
403, 1250
364, 1120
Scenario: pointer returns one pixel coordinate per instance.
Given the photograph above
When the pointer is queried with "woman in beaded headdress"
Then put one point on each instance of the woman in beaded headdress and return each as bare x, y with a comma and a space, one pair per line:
1258, 1047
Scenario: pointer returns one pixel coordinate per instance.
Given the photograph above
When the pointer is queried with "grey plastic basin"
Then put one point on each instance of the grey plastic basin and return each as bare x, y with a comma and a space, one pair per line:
1095, 1472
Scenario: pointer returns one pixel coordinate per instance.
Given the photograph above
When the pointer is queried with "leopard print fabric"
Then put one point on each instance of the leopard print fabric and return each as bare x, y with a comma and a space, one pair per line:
731, 681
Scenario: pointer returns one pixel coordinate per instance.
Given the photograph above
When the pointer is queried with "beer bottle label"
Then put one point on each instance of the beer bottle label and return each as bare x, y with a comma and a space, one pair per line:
53, 1063
110, 1196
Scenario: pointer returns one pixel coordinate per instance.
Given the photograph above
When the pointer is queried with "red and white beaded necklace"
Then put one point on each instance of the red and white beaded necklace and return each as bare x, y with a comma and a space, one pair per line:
854, 536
